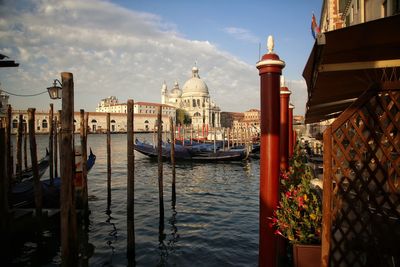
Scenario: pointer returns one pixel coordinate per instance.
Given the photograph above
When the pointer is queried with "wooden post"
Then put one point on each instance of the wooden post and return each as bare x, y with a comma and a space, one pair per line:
327, 198
25, 145
130, 185
160, 170
69, 241
270, 68
55, 146
223, 139
83, 135
35, 170
51, 143
3, 183
173, 161
9, 150
215, 140
229, 137
191, 134
108, 163
19, 146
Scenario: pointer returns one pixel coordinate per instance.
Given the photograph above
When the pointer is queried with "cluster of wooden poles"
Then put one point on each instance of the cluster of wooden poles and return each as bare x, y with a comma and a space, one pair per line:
62, 133
231, 137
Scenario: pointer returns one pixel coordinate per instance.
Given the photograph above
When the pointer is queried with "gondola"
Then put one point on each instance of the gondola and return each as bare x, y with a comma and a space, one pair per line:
195, 152
23, 194
151, 151
27, 174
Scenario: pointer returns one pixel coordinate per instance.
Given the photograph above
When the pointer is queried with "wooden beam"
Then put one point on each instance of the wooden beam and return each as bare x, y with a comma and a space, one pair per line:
359, 65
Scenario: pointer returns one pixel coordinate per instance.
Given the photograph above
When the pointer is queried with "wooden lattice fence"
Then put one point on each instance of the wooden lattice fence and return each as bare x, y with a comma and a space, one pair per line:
361, 223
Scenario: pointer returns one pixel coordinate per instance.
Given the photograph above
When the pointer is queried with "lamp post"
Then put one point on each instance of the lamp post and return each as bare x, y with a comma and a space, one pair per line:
69, 240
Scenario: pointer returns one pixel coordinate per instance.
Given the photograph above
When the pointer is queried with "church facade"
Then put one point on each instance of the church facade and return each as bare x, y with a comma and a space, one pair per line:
195, 99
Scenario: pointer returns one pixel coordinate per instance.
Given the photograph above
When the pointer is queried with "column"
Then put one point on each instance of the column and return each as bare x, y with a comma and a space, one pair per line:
270, 68
284, 131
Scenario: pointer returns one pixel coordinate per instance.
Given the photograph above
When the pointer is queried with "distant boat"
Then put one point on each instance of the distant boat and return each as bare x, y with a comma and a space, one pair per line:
27, 174
23, 194
196, 152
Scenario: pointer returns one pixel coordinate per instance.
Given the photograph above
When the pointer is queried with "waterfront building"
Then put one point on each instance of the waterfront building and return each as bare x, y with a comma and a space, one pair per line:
194, 98
338, 14
97, 122
228, 118
112, 105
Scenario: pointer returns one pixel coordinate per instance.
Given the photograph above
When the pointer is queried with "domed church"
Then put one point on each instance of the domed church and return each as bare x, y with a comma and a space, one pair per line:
195, 99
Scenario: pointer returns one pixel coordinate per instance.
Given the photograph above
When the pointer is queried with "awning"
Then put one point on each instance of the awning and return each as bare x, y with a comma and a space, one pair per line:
352, 60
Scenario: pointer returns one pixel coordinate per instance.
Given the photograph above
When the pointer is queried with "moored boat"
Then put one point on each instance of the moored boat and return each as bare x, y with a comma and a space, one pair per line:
23, 194
195, 152
27, 174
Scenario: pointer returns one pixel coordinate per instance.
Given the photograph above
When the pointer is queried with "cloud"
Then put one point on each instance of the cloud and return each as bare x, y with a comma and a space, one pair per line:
112, 51
242, 34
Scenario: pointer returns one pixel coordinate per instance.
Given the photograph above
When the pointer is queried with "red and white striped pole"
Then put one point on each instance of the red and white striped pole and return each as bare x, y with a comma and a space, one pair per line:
270, 69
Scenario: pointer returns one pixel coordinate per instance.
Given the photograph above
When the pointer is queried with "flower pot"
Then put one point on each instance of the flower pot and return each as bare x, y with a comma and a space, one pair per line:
306, 255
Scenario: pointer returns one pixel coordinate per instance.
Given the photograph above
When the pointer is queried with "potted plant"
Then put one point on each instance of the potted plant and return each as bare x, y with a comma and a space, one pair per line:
298, 216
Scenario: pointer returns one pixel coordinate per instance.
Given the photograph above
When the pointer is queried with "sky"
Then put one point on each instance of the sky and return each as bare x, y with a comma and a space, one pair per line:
128, 49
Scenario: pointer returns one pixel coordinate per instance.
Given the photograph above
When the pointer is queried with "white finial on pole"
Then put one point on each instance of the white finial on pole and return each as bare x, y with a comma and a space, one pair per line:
270, 44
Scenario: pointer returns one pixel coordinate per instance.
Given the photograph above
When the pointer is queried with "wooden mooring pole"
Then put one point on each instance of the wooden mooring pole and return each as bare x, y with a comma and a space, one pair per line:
25, 145
51, 144
19, 146
108, 163
83, 136
130, 185
69, 240
9, 150
3, 182
55, 146
35, 170
160, 169
171, 122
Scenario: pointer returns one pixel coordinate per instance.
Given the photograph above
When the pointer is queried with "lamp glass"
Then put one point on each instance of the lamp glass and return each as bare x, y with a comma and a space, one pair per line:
55, 92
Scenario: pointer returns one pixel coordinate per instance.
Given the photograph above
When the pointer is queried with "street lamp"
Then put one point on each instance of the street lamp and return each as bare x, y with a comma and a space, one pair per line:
55, 91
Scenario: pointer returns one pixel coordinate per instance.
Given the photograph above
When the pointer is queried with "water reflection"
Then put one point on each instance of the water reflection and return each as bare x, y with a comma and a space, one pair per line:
167, 246
113, 233
214, 222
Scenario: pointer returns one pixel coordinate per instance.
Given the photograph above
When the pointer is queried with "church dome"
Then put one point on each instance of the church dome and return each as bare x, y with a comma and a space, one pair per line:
195, 86
176, 92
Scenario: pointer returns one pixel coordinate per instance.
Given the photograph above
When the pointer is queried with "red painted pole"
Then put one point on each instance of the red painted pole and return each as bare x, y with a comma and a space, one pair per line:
290, 130
284, 132
270, 68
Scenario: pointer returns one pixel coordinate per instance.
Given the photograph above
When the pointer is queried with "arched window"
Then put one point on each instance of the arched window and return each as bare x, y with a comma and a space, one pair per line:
112, 121
194, 102
146, 121
15, 123
44, 124
198, 102
197, 114
94, 121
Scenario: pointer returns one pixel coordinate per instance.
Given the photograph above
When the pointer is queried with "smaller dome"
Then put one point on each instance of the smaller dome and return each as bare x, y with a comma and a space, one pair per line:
176, 92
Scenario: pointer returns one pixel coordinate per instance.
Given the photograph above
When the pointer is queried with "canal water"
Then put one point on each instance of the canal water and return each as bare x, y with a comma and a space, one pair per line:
214, 221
